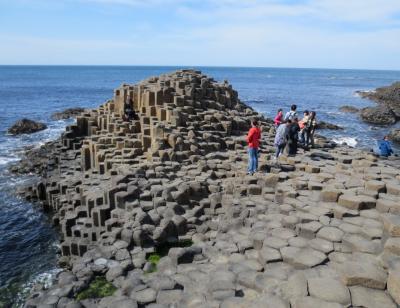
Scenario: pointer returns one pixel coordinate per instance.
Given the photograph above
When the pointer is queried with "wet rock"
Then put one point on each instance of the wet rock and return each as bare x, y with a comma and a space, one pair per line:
380, 115
388, 96
26, 126
326, 125
394, 135
349, 109
67, 113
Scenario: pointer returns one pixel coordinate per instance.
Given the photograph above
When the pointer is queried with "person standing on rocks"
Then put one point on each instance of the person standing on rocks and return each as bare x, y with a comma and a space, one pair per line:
278, 118
253, 139
280, 138
311, 125
302, 125
385, 148
290, 115
293, 136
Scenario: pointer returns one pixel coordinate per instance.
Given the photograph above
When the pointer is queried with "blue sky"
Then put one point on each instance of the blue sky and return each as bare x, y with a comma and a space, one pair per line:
272, 33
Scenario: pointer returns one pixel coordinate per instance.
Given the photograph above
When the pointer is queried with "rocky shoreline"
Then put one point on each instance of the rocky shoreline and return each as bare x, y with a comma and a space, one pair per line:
159, 211
388, 110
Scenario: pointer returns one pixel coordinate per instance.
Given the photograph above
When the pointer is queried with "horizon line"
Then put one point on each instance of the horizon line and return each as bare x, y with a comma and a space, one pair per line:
198, 66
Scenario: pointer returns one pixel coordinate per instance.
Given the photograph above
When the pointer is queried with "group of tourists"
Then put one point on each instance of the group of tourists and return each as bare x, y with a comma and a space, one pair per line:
290, 131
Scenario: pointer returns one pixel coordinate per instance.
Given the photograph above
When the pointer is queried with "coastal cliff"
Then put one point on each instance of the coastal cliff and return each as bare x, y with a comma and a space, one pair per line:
160, 208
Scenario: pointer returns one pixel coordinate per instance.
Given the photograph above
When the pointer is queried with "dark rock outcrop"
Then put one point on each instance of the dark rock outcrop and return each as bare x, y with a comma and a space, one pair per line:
380, 115
388, 97
67, 113
394, 135
326, 125
349, 109
26, 126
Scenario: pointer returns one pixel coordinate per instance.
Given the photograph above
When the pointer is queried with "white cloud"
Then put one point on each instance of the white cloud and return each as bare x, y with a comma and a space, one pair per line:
313, 33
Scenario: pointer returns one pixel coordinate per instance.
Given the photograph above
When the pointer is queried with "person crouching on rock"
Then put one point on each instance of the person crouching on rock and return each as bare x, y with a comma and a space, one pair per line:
292, 137
253, 139
280, 138
385, 147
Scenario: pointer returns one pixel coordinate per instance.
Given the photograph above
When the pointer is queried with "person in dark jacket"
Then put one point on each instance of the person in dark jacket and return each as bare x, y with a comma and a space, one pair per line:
385, 147
293, 137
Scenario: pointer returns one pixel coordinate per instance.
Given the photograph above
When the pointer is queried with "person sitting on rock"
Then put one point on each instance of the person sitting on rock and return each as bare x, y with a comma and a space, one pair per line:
385, 147
253, 139
290, 115
292, 137
280, 138
302, 125
278, 118
311, 125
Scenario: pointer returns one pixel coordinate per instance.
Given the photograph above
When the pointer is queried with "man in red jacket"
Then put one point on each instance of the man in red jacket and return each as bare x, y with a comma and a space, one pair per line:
253, 139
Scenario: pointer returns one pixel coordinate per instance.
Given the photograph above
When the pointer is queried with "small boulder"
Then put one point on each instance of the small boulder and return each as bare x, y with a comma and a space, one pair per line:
26, 126
349, 109
326, 125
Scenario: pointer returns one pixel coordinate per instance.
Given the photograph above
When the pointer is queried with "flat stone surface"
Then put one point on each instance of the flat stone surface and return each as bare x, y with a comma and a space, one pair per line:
302, 258
268, 255
332, 234
393, 285
370, 298
168, 297
364, 274
269, 301
358, 202
359, 243
275, 242
312, 302
330, 290
321, 245
145, 296
296, 286
391, 224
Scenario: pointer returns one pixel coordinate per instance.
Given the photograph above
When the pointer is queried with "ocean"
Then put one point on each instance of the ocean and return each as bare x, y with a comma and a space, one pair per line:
28, 242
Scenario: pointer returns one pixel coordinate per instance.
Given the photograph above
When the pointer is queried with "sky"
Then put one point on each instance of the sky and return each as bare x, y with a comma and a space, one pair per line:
363, 34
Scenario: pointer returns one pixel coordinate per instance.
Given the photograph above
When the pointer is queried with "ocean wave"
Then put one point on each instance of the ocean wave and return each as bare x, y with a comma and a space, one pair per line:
350, 141
46, 279
5, 160
357, 93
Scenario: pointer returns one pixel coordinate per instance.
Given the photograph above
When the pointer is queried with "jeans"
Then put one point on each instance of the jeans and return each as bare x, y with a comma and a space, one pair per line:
279, 150
253, 160
310, 138
304, 135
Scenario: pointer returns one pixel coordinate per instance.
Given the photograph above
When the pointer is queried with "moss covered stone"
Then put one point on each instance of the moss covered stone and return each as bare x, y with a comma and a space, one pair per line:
98, 288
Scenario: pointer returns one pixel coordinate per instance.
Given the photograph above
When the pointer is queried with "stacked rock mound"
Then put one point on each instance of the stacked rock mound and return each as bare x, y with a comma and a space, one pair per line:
318, 230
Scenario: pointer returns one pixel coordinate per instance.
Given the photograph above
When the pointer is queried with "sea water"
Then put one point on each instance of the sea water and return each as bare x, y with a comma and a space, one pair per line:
29, 244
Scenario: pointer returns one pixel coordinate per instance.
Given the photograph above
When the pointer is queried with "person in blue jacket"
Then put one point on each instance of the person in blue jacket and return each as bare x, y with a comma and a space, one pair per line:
385, 148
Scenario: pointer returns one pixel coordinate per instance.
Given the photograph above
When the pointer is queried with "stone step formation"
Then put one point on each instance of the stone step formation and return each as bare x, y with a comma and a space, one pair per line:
321, 229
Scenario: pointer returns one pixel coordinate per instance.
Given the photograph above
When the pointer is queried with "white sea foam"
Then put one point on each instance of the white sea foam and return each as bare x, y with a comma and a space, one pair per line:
350, 141
46, 279
4, 160
357, 93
